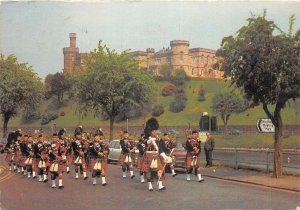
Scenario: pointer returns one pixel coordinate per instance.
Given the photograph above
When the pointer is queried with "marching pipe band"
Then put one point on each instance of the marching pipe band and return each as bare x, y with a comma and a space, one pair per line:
37, 157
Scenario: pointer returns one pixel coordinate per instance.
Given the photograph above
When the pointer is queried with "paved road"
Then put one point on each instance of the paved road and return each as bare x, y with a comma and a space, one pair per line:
17, 192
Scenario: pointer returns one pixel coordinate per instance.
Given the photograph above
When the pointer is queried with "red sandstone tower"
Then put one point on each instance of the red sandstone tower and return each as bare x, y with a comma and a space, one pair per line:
71, 55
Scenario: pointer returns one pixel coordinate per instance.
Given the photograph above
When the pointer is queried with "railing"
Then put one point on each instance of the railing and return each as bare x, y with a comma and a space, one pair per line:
257, 159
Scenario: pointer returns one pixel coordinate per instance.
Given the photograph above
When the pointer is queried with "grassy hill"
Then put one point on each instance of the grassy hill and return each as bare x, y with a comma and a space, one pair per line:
191, 113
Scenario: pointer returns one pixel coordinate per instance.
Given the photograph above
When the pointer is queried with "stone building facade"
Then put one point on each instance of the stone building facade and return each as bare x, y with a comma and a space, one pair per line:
73, 59
197, 62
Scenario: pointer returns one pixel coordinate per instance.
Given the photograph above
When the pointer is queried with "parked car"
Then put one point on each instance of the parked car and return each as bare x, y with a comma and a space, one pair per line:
115, 151
234, 132
179, 155
173, 132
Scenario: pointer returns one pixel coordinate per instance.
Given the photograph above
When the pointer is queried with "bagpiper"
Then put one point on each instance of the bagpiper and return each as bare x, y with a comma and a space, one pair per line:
127, 156
57, 165
10, 149
98, 154
152, 164
68, 148
22, 157
79, 152
40, 159
141, 146
29, 161
167, 146
193, 148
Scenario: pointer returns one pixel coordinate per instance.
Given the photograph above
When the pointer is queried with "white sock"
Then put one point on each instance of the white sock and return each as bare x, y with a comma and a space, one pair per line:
45, 176
131, 173
160, 185
94, 181
150, 186
19, 170
188, 177
40, 178
10, 168
53, 183
76, 176
142, 178
33, 174
103, 180
199, 177
15, 167
84, 174
68, 168
22, 169
173, 171
124, 174
29, 175
25, 173
60, 182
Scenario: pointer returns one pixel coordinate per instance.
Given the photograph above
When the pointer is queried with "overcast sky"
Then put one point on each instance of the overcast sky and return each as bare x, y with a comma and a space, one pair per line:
36, 32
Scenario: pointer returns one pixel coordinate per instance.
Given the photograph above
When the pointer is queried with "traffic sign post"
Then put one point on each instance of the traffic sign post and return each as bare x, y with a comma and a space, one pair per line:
265, 126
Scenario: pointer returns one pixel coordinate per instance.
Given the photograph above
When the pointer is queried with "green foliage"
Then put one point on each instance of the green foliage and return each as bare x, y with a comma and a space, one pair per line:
30, 115
112, 82
57, 85
201, 94
20, 88
168, 90
47, 117
158, 110
226, 104
166, 72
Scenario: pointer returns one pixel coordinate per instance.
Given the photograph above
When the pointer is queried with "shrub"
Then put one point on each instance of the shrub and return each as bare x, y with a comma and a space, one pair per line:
158, 110
201, 94
179, 103
62, 113
168, 90
30, 115
47, 117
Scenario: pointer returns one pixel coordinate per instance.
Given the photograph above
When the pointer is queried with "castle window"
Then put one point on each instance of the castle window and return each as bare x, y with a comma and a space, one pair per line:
192, 71
202, 59
181, 55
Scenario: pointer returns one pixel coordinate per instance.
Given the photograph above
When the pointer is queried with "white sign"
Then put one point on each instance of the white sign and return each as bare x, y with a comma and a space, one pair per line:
265, 126
202, 136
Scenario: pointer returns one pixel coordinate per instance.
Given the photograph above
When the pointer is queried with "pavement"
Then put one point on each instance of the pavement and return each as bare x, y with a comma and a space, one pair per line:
289, 183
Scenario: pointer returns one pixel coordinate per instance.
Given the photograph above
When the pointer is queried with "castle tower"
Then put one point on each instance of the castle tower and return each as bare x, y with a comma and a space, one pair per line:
71, 54
180, 54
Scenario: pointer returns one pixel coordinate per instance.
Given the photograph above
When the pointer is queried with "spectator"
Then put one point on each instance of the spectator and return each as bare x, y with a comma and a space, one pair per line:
208, 148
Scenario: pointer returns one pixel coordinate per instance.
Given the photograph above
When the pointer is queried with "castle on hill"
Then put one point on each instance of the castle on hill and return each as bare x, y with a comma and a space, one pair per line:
196, 62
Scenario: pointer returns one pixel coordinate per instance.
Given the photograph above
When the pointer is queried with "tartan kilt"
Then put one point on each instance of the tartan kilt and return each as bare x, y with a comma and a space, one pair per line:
145, 167
35, 162
9, 157
83, 162
92, 162
139, 162
61, 167
22, 160
122, 158
188, 161
69, 159
18, 156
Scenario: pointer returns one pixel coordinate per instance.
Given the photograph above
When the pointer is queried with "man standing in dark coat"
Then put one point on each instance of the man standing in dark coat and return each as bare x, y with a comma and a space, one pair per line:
208, 148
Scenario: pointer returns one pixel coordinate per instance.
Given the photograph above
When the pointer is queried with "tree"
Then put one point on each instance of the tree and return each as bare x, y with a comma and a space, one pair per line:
113, 81
166, 71
57, 84
20, 88
226, 104
265, 66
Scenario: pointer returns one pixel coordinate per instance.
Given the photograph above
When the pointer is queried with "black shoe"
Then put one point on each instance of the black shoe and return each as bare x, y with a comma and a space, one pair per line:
163, 188
150, 189
174, 175
46, 180
104, 184
34, 177
68, 172
85, 178
60, 187
201, 180
132, 176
